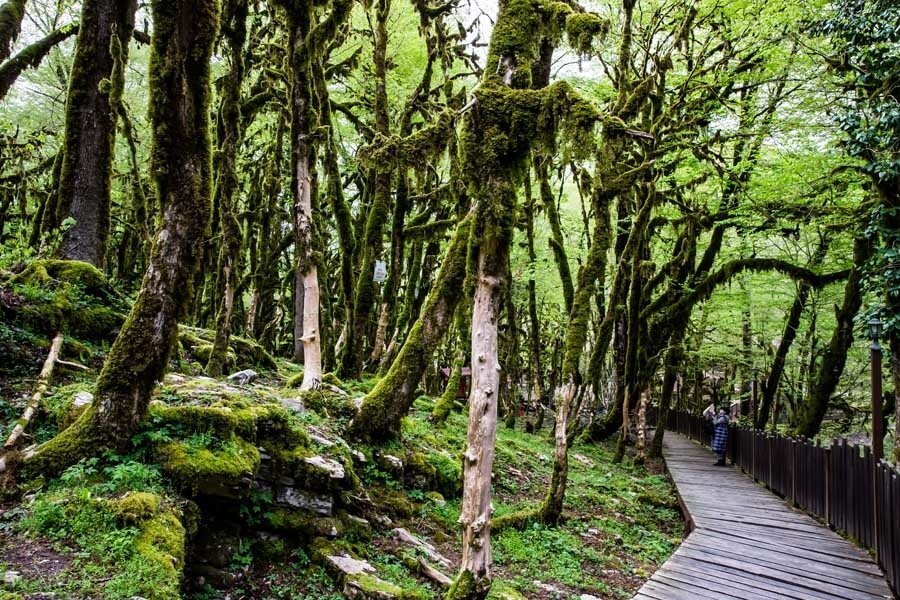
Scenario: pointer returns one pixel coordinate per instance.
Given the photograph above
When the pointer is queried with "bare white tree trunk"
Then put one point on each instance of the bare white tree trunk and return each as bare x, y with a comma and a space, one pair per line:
309, 277
475, 517
642, 425
381, 332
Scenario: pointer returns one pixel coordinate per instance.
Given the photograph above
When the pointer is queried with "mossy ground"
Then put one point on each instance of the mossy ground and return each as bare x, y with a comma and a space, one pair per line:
118, 525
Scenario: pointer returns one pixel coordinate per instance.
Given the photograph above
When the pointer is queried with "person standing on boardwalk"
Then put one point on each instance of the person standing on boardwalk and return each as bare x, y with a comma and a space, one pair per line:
720, 436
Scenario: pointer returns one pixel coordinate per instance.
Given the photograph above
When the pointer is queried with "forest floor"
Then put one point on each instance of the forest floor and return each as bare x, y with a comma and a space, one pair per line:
250, 492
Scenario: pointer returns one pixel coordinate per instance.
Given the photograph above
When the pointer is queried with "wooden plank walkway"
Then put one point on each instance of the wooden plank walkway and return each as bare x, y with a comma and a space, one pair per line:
747, 543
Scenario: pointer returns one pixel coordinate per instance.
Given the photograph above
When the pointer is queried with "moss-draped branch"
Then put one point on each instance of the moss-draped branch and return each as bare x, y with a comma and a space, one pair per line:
728, 271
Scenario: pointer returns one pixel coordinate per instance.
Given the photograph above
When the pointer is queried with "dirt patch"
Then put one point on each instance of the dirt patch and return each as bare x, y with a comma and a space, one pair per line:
33, 559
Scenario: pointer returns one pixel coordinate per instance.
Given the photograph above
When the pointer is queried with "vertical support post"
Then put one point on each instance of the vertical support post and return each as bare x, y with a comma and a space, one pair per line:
877, 399
827, 462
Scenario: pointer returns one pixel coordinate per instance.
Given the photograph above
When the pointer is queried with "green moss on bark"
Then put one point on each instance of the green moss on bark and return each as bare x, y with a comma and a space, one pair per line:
383, 408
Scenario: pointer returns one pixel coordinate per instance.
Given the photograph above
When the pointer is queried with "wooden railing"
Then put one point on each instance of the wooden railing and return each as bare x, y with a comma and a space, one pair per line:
840, 484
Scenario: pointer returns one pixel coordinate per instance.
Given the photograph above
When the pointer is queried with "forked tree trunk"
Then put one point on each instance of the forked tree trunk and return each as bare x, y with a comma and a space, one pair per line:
95, 89
179, 115
834, 359
773, 381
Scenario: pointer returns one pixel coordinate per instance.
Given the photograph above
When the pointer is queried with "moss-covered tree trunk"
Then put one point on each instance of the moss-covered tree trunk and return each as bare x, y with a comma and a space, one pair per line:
557, 239
366, 291
184, 32
229, 134
576, 338
534, 338
773, 380
11, 14
95, 90
834, 358
383, 408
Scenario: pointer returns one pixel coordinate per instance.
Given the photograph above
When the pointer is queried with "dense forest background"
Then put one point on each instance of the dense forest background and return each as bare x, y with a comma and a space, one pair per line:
578, 212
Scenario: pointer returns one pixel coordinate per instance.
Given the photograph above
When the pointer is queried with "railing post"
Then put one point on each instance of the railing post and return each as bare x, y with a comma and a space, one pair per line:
794, 472
827, 461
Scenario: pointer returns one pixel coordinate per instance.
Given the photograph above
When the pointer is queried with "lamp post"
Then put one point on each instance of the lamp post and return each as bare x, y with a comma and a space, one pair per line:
877, 399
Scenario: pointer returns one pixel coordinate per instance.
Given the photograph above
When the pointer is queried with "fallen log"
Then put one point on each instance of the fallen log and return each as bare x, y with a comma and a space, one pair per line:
43, 381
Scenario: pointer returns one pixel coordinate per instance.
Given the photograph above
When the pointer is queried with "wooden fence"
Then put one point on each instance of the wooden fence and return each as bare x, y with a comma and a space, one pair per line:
839, 484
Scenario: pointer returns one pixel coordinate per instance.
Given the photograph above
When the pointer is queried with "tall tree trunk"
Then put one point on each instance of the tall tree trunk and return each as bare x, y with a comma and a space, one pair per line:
835, 357
230, 134
475, 575
365, 292
770, 385
95, 91
557, 240
535, 348
576, 337
183, 37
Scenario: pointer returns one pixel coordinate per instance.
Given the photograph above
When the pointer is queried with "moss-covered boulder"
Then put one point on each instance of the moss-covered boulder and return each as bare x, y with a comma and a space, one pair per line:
197, 343
434, 471
60, 295
224, 469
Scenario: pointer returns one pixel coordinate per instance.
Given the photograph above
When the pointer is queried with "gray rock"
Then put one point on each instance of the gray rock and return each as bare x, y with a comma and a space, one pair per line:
297, 498
350, 566
391, 463
294, 404
82, 399
11, 578
334, 469
243, 377
319, 438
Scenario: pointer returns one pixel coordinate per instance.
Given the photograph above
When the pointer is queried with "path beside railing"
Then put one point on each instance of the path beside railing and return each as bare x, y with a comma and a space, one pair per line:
747, 543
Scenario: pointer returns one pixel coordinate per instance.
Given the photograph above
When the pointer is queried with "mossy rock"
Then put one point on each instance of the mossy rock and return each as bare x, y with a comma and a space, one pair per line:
305, 524
226, 470
69, 296
328, 404
295, 381
255, 422
58, 403
44, 272
393, 502
135, 507
500, 590
247, 353
159, 551
433, 471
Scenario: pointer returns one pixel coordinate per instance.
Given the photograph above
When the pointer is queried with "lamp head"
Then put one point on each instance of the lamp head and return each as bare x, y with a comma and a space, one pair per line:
875, 325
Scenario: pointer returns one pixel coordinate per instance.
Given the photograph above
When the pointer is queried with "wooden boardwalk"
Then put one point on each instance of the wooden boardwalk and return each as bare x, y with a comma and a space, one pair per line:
747, 543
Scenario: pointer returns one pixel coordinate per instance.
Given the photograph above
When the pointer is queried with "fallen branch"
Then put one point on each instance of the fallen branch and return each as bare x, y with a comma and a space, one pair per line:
72, 365
34, 402
433, 574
